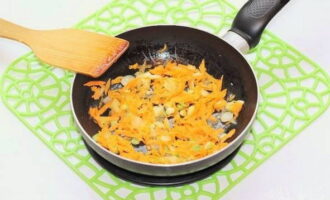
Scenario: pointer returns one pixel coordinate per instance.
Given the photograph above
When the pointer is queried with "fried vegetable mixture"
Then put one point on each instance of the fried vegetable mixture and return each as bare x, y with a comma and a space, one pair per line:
170, 113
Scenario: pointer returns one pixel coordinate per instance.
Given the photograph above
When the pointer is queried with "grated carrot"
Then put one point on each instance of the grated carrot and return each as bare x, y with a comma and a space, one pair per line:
166, 109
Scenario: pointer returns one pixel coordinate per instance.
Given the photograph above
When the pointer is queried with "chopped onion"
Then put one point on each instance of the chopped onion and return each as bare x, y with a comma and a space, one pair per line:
106, 100
126, 79
226, 116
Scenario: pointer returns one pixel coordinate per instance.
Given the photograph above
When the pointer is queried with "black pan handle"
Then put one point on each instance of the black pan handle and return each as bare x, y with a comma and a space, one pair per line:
254, 16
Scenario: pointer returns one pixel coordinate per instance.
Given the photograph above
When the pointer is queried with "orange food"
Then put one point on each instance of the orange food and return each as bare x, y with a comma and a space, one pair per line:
166, 111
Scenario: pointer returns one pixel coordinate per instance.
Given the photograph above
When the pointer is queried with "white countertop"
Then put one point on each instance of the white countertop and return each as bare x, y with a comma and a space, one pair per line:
299, 171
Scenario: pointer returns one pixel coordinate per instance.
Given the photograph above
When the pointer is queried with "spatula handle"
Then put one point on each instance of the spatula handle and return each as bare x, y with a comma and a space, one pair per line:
14, 32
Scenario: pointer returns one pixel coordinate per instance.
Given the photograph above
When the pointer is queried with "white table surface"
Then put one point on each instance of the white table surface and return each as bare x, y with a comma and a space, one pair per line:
300, 171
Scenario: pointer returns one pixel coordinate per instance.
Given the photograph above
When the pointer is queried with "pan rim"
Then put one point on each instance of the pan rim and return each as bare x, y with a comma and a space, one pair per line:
243, 133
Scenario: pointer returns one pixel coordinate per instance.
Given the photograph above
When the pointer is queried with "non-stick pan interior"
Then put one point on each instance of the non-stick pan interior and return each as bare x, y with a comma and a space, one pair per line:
186, 45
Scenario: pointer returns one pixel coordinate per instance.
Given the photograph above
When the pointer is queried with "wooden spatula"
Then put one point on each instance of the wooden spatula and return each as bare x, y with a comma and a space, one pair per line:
80, 51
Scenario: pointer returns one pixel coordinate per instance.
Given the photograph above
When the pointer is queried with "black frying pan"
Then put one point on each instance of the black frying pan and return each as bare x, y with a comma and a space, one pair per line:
187, 45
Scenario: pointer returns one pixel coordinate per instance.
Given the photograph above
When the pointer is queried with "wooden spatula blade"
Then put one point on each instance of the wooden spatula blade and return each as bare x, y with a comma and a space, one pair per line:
80, 51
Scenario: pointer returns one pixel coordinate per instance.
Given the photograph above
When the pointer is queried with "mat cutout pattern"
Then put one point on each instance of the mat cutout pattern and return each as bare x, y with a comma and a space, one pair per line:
294, 92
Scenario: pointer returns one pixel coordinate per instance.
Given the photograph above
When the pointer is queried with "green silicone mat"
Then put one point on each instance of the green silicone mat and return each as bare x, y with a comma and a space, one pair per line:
294, 92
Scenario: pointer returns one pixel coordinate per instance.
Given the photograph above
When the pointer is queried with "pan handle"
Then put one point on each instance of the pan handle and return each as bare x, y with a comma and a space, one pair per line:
252, 19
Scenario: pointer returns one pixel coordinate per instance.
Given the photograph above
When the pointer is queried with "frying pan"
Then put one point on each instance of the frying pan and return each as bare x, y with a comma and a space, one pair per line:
187, 45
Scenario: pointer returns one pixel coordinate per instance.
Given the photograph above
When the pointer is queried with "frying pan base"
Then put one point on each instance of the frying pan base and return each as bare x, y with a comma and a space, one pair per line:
146, 180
